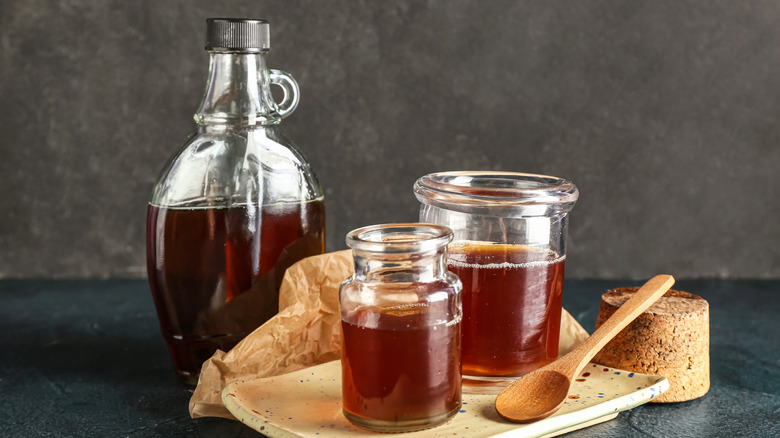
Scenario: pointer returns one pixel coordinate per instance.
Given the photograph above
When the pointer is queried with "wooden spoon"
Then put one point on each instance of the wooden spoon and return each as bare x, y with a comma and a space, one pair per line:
541, 393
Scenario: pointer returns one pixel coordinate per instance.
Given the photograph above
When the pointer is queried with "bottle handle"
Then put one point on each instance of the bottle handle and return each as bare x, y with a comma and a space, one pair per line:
292, 93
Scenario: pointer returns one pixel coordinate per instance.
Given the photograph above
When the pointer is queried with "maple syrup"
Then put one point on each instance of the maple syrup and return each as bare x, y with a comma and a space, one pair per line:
511, 307
213, 282
402, 370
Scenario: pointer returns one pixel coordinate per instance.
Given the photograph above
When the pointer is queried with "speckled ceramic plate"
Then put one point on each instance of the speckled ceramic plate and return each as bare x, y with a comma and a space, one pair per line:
307, 403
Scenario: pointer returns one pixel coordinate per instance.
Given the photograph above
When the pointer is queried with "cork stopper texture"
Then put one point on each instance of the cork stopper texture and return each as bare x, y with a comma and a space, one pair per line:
670, 339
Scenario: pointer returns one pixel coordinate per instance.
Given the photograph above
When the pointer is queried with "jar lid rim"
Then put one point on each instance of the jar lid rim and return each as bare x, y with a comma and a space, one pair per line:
504, 193
399, 238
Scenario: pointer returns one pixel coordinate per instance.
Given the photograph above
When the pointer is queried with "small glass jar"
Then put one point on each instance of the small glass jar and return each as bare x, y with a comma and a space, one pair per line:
509, 251
401, 318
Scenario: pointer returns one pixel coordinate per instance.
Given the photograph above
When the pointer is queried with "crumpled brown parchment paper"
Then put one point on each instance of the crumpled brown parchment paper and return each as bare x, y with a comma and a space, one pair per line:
305, 332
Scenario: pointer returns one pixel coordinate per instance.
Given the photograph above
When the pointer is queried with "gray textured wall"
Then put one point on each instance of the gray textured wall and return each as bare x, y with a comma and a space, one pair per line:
664, 113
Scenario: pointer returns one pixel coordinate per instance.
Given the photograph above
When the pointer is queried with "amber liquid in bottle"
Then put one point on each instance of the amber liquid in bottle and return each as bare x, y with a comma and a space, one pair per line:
511, 307
402, 369
213, 281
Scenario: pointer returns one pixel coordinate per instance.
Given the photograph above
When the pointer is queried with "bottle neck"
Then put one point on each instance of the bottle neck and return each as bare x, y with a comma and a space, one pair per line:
422, 267
238, 91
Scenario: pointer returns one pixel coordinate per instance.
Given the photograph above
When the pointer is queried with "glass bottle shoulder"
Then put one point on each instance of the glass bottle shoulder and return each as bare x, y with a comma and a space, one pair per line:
225, 167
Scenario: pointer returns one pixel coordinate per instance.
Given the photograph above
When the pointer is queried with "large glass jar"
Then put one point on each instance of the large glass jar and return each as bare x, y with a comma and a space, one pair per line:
401, 317
509, 251
233, 208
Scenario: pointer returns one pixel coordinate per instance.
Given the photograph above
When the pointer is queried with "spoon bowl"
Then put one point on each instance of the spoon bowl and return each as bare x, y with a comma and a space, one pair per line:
551, 382
541, 393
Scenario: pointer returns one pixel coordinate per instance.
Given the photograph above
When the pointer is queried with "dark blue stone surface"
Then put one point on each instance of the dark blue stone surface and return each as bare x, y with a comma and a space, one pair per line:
85, 358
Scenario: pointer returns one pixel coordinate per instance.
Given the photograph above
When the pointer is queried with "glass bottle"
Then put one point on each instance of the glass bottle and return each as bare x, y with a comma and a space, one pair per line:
509, 251
401, 314
233, 208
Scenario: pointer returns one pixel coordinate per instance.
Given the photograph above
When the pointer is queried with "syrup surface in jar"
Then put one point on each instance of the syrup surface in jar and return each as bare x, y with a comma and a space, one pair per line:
511, 306
213, 281
397, 366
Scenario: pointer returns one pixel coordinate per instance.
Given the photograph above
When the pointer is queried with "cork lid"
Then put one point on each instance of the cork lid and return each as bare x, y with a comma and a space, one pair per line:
674, 302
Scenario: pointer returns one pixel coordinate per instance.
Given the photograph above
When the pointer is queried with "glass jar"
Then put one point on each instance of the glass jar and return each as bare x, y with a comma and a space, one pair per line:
509, 250
233, 208
401, 318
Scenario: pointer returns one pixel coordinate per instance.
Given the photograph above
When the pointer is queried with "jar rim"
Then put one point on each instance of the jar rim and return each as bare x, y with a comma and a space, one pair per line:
396, 238
497, 193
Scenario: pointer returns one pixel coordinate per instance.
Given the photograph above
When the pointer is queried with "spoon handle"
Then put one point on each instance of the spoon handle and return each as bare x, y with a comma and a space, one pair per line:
648, 294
